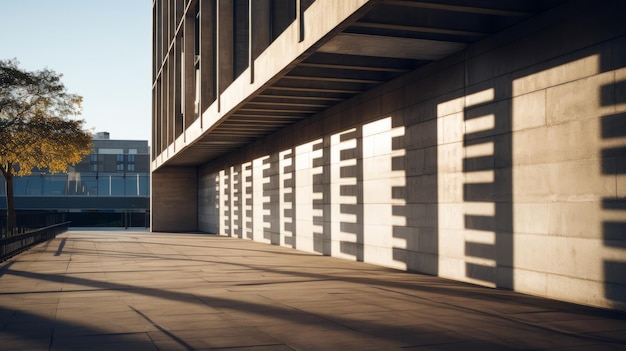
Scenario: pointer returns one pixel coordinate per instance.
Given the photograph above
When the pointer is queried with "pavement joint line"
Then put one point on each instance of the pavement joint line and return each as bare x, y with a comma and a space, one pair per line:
165, 331
513, 320
51, 335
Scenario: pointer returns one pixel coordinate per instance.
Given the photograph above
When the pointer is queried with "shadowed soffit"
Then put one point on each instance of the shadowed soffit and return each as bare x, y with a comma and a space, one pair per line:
391, 39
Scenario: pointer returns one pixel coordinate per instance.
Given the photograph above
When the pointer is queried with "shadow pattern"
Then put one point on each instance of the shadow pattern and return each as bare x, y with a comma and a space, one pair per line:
487, 190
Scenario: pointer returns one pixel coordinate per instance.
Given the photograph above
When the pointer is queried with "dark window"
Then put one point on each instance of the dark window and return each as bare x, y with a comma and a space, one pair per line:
283, 14
54, 184
117, 185
131, 185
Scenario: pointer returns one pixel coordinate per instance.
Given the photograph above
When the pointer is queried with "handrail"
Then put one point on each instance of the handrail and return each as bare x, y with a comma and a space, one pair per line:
12, 246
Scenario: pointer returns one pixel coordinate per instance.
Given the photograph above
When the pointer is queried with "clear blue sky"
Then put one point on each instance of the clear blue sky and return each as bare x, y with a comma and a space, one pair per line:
102, 48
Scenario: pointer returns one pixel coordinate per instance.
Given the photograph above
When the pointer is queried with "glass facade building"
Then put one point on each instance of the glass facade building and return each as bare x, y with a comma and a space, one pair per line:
111, 186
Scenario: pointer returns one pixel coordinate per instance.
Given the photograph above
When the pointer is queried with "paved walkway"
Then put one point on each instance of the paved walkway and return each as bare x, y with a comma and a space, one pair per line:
112, 290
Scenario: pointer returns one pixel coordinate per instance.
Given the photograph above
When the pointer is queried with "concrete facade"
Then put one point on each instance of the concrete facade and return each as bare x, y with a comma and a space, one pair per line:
501, 164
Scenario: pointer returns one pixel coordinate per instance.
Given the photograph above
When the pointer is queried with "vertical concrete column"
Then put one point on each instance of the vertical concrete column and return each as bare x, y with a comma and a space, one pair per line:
171, 110
155, 45
175, 207
165, 37
300, 20
208, 54
164, 79
158, 133
224, 45
155, 120
178, 89
259, 30
188, 64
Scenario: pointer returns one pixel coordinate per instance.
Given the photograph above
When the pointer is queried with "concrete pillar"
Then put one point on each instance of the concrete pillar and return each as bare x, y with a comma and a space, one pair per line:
178, 91
189, 69
300, 20
175, 207
164, 107
171, 110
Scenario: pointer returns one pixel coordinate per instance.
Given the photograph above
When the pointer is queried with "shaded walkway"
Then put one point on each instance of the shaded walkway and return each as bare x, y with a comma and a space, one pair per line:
125, 290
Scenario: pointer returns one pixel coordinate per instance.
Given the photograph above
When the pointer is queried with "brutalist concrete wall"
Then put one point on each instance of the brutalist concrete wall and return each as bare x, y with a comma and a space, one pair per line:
504, 166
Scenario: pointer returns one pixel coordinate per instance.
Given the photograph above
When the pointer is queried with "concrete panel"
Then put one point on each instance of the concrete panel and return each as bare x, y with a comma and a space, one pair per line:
531, 218
555, 74
529, 111
575, 219
450, 157
569, 181
579, 99
531, 282
621, 187
559, 255
574, 289
575, 140
450, 128
419, 136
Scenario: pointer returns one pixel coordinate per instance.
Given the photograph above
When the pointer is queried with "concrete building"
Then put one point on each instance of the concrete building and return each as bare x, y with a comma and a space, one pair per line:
109, 187
480, 140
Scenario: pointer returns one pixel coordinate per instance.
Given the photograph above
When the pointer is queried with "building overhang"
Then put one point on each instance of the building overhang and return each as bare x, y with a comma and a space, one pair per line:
370, 43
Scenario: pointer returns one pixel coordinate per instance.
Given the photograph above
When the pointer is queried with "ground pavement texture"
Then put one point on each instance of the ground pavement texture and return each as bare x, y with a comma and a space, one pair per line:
134, 290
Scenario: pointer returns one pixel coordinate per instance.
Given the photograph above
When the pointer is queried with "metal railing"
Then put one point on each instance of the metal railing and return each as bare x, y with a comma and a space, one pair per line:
14, 245
27, 221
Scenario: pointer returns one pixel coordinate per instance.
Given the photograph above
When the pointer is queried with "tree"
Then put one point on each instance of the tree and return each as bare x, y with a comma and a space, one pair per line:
36, 130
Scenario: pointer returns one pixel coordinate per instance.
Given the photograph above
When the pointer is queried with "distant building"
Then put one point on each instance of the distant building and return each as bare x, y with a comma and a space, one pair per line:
109, 187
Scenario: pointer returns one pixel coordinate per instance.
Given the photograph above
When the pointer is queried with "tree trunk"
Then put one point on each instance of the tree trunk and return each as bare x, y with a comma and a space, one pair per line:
11, 219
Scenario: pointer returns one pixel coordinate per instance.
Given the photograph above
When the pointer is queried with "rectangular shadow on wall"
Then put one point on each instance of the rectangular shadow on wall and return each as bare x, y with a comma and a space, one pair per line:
287, 196
320, 200
271, 203
237, 201
225, 177
247, 200
348, 165
613, 129
414, 195
487, 186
